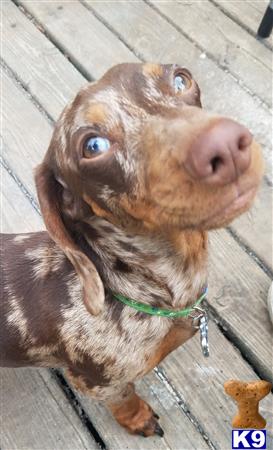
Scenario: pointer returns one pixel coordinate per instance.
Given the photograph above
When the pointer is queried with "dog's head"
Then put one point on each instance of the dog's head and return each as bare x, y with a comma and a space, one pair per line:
136, 148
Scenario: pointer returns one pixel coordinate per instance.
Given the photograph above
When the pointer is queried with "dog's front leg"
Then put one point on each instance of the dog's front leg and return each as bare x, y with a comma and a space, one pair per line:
129, 410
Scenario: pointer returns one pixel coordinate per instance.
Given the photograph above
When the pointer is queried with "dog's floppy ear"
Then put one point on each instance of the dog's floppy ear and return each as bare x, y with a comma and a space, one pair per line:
48, 190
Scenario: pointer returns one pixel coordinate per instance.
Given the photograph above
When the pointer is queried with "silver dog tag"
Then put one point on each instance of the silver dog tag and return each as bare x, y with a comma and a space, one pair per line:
204, 337
201, 322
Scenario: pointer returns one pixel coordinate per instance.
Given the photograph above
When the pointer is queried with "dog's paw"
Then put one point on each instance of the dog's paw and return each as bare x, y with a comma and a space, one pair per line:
144, 422
150, 426
137, 416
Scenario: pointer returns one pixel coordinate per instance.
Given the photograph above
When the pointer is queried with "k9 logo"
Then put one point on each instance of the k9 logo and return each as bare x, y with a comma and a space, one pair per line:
248, 439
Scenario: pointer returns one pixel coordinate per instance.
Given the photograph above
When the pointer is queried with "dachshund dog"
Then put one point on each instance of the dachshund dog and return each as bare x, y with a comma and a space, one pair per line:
135, 175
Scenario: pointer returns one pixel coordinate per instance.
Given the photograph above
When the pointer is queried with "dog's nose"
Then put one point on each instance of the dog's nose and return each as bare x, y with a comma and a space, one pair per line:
220, 153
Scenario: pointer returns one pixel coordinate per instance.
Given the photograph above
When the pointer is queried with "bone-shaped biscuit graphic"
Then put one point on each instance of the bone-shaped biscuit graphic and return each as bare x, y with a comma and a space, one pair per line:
247, 397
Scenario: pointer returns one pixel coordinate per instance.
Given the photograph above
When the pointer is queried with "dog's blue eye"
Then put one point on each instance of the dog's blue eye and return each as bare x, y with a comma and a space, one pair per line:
97, 144
180, 83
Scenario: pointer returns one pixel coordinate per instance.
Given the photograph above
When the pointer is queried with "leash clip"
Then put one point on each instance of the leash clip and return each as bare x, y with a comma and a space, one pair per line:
200, 322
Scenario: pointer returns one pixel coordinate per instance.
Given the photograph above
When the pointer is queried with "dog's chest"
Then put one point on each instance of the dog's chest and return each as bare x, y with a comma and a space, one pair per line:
120, 341
123, 343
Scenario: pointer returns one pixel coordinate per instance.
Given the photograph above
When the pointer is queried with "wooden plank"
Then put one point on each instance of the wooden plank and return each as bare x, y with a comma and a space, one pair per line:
17, 213
25, 144
254, 232
179, 430
142, 28
245, 12
36, 415
48, 74
80, 35
231, 268
199, 382
225, 41
258, 5
238, 293
255, 227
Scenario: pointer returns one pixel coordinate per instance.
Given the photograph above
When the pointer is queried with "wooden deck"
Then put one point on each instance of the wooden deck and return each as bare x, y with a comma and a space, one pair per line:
49, 50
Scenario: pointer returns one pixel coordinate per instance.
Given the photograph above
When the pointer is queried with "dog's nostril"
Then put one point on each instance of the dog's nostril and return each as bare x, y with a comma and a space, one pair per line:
243, 143
215, 163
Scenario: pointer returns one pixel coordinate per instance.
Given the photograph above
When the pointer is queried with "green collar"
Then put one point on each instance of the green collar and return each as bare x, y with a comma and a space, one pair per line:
155, 311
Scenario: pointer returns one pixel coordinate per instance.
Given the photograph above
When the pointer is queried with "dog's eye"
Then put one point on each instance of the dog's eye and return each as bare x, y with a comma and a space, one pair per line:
96, 145
180, 83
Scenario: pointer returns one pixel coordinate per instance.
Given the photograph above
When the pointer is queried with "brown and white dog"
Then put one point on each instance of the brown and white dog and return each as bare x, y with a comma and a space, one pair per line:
135, 175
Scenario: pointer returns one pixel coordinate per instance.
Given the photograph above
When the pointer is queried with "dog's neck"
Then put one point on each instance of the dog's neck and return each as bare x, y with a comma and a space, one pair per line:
157, 269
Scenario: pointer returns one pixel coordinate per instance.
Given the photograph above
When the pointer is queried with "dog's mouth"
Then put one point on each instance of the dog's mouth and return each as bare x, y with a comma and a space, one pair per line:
238, 199
238, 205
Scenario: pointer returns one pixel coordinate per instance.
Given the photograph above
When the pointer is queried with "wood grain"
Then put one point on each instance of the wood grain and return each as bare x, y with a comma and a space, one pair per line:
17, 213
25, 143
238, 293
80, 35
255, 227
35, 414
245, 12
48, 74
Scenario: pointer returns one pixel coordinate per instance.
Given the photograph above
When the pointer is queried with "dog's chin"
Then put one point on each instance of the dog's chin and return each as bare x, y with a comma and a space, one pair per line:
241, 204
220, 216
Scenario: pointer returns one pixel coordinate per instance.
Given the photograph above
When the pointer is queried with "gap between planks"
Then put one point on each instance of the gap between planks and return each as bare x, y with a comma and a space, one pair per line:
220, 5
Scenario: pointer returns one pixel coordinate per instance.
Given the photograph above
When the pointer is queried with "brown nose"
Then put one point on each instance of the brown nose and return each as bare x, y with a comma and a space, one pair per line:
220, 154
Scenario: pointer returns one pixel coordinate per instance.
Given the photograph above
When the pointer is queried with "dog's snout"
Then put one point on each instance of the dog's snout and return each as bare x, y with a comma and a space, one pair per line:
220, 153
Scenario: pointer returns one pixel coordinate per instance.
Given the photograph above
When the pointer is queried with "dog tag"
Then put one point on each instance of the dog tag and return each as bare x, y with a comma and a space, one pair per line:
204, 336
201, 323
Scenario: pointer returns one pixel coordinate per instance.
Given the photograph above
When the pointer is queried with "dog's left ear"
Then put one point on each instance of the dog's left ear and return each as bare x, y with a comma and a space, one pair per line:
48, 189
